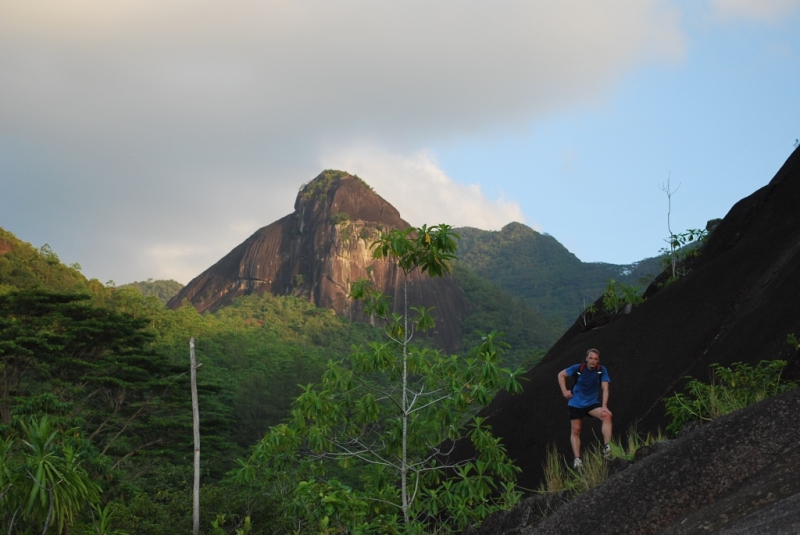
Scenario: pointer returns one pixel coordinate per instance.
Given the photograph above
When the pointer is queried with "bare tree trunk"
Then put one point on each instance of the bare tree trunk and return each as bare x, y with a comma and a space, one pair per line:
672, 247
404, 460
196, 425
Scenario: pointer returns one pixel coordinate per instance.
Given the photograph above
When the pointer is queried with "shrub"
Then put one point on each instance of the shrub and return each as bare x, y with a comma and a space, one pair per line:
618, 296
730, 389
682, 247
340, 217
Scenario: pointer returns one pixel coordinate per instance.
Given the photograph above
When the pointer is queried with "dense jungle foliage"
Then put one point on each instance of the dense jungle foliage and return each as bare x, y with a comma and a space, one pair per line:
94, 383
95, 410
528, 333
163, 289
391, 415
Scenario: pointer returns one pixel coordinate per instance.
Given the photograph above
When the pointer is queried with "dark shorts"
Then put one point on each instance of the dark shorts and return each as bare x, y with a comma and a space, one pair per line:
579, 414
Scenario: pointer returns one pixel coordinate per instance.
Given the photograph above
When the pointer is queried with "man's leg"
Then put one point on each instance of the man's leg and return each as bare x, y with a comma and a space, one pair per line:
604, 417
575, 438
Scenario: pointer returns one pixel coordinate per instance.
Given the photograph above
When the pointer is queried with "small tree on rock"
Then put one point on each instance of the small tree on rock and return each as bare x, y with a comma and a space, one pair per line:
395, 411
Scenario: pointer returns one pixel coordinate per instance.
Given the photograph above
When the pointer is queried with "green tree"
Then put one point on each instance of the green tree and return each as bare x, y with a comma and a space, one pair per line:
43, 478
91, 367
618, 297
163, 290
679, 250
394, 411
682, 247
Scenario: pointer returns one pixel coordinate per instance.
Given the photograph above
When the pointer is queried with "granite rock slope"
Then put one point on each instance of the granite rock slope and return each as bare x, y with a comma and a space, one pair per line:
738, 303
317, 251
736, 475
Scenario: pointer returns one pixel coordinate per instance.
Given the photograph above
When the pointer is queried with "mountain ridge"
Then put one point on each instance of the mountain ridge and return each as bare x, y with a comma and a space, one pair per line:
325, 244
540, 270
317, 251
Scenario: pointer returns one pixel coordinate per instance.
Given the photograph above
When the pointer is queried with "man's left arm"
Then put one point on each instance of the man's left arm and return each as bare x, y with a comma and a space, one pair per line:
604, 386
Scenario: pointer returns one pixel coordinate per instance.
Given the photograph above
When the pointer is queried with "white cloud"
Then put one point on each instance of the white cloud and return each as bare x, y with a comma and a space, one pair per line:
759, 10
166, 120
403, 71
176, 262
423, 193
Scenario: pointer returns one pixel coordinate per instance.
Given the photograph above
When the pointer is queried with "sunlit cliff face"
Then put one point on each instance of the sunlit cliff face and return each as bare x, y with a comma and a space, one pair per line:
318, 251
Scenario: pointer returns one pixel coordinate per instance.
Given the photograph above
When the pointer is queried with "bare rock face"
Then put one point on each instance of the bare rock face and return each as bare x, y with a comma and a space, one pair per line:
318, 251
738, 303
736, 475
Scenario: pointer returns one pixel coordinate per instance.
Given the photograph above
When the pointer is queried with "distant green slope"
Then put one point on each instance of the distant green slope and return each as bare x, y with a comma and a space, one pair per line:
529, 333
22, 266
164, 290
538, 269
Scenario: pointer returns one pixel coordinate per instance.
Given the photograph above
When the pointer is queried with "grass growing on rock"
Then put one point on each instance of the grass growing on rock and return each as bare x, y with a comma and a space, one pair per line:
560, 477
730, 389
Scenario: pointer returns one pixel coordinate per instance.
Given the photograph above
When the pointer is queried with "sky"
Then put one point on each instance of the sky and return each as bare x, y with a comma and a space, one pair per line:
145, 139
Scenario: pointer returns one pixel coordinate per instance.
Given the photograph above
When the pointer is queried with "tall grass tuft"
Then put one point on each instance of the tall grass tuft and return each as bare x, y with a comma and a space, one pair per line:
555, 472
633, 442
560, 477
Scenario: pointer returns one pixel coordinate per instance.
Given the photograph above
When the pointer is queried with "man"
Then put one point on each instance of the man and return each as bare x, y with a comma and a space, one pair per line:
584, 399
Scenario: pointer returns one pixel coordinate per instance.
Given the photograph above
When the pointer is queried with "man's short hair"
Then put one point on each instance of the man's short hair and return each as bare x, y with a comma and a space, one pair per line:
593, 350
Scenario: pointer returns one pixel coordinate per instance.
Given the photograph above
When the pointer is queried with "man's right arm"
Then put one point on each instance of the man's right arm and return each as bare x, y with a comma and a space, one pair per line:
562, 382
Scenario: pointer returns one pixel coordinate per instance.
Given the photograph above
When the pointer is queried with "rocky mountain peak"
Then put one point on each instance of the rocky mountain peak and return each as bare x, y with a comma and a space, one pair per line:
317, 251
338, 197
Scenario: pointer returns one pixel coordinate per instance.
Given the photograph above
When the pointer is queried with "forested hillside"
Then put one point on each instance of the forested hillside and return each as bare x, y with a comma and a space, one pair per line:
164, 290
98, 377
538, 269
24, 267
103, 372
529, 333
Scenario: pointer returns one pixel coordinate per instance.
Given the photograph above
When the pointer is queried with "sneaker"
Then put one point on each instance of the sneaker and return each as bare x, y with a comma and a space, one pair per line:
607, 450
577, 463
